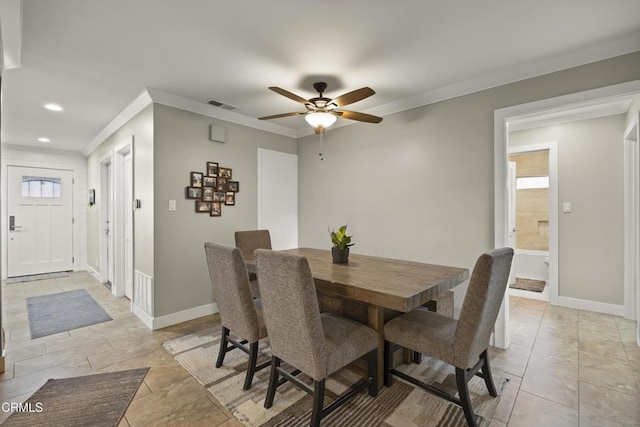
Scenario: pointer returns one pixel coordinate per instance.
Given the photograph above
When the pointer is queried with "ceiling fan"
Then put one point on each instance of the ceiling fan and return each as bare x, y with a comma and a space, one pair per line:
322, 112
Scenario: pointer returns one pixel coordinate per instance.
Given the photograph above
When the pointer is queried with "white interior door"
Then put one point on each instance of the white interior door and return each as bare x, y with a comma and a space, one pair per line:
128, 226
39, 209
278, 197
108, 225
511, 217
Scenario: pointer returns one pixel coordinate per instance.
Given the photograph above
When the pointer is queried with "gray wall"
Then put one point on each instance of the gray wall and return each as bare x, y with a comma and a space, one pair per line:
141, 127
181, 278
420, 184
590, 176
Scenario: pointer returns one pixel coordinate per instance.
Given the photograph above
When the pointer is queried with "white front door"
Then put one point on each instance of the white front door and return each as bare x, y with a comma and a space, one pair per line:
39, 209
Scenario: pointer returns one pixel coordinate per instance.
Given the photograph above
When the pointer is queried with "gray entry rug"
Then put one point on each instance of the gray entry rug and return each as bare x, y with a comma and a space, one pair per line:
36, 277
529, 284
91, 400
64, 311
400, 405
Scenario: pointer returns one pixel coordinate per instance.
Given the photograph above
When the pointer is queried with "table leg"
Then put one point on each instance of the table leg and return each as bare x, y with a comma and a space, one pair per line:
375, 319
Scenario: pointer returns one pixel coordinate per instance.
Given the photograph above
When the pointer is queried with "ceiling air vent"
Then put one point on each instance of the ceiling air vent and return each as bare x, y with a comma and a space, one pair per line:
221, 105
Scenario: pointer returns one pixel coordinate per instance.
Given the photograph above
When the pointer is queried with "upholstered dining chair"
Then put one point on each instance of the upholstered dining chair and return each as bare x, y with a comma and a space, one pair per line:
462, 343
313, 343
248, 241
240, 314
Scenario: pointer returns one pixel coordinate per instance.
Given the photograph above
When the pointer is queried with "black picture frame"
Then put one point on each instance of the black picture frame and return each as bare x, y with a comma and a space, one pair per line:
233, 186
221, 185
207, 194
196, 179
212, 169
194, 192
202, 206
219, 196
216, 209
209, 181
225, 173
230, 199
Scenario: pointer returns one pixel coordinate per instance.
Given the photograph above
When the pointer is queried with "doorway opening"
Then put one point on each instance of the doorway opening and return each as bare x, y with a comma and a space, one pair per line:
553, 109
116, 219
535, 233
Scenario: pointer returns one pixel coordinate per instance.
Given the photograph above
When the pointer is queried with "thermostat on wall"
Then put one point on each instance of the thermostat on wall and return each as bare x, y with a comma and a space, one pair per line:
217, 133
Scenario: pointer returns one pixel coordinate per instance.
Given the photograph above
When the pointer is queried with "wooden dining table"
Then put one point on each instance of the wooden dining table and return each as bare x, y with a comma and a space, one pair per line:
373, 290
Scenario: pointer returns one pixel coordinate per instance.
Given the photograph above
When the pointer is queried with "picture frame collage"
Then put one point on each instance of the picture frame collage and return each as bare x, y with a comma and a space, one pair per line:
212, 189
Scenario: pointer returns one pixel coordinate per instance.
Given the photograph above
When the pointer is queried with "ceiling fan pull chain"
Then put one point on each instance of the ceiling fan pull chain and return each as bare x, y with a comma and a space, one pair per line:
321, 147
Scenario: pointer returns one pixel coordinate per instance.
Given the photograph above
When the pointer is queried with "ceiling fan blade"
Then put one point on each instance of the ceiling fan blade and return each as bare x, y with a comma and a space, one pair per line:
353, 96
277, 116
289, 95
361, 117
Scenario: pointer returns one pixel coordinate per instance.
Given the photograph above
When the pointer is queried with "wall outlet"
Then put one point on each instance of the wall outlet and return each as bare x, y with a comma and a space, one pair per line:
566, 207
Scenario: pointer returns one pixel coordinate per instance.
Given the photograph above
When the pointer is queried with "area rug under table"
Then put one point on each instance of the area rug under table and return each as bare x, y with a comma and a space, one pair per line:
399, 405
64, 311
91, 400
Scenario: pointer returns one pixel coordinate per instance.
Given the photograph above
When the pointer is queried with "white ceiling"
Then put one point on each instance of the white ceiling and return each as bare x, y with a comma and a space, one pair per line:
94, 57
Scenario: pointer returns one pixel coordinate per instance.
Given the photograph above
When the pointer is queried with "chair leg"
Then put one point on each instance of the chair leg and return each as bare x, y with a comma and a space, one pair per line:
251, 365
388, 360
465, 401
417, 357
486, 373
223, 346
372, 368
273, 382
318, 401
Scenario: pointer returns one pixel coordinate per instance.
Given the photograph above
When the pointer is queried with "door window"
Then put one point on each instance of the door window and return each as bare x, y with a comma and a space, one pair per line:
37, 186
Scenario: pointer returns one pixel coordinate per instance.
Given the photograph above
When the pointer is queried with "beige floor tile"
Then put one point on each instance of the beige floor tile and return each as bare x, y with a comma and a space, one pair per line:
531, 410
552, 381
496, 423
508, 396
603, 347
557, 350
609, 373
623, 323
523, 332
512, 360
600, 407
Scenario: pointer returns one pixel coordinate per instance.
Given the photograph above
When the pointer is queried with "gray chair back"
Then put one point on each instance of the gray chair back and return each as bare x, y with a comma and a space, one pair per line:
290, 308
230, 282
249, 241
487, 286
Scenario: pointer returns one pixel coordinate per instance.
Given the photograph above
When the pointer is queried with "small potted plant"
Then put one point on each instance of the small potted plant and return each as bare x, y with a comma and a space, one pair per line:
341, 243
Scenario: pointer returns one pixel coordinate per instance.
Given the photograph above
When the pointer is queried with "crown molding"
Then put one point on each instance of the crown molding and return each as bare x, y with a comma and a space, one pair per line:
11, 33
576, 58
130, 111
187, 104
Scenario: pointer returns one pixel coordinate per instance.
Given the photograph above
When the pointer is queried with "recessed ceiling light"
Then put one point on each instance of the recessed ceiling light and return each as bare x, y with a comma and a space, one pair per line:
43, 139
53, 107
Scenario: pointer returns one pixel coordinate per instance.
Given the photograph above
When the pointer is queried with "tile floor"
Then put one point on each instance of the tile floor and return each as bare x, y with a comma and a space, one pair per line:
568, 367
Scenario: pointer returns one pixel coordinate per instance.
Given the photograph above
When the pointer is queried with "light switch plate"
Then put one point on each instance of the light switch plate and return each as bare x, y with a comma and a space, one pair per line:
566, 207
172, 205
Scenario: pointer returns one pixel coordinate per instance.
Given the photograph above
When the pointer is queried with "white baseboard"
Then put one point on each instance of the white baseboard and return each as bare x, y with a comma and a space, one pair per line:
598, 307
93, 272
155, 323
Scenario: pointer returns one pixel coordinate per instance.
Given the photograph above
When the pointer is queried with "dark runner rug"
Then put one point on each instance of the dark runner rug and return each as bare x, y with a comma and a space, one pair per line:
399, 405
64, 311
529, 284
91, 400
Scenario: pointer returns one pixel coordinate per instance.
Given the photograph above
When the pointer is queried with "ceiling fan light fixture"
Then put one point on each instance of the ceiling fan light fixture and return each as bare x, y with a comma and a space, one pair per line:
320, 119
